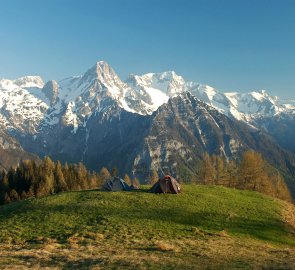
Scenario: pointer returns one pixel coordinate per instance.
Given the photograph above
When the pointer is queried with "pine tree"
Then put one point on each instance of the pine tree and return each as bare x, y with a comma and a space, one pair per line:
4, 184
252, 175
104, 174
48, 176
281, 190
232, 174
114, 171
135, 182
13, 195
82, 176
127, 179
6, 198
207, 170
60, 183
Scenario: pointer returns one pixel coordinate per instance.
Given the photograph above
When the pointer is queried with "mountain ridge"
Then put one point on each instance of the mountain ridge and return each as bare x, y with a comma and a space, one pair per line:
99, 119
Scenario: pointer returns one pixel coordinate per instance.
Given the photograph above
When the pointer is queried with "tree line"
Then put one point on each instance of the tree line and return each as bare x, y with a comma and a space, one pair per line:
30, 179
46, 177
251, 172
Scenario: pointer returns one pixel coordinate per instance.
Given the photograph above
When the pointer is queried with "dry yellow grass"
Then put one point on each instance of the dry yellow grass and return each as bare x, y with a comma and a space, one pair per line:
210, 251
164, 246
289, 215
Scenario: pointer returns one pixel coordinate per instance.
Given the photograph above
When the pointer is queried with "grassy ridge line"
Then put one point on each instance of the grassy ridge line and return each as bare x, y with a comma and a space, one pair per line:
209, 208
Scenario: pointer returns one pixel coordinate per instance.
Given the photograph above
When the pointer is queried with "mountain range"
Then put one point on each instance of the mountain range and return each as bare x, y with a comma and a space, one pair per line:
154, 121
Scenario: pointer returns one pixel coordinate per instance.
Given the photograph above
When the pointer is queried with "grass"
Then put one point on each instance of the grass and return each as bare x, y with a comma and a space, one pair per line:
203, 227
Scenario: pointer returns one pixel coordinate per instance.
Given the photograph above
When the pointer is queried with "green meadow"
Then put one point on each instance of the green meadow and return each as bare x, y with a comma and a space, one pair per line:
204, 227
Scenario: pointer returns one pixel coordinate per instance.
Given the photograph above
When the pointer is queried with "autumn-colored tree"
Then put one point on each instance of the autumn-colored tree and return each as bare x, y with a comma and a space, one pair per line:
252, 174
221, 175
207, 171
127, 179
60, 183
114, 172
104, 174
13, 195
82, 176
281, 190
46, 185
47, 177
232, 174
135, 182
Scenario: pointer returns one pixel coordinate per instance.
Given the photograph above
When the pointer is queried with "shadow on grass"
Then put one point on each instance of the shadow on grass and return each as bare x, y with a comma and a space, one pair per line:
270, 229
113, 212
61, 262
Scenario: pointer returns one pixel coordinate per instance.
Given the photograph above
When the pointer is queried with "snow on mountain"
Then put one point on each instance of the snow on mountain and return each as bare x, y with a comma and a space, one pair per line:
21, 106
156, 88
29, 81
246, 107
28, 104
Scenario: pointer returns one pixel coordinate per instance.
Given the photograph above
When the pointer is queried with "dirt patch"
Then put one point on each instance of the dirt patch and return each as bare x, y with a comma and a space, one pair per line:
289, 216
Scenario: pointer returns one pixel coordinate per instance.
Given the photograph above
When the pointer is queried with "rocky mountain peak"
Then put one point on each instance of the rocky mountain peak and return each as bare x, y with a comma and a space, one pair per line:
50, 90
103, 73
29, 81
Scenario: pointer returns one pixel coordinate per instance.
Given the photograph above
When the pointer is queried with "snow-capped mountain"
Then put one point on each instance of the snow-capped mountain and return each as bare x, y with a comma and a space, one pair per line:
246, 107
28, 104
136, 124
22, 105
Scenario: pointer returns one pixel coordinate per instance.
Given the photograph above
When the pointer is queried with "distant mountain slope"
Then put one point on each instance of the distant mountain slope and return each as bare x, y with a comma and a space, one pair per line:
11, 153
185, 128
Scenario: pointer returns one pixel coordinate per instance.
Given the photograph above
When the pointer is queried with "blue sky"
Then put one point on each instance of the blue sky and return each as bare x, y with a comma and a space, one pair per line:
234, 45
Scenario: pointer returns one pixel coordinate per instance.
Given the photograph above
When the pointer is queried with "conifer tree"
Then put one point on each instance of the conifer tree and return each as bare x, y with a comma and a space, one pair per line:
60, 183
114, 171
232, 174
252, 173
281, 190
104, 174
13, 195
47, 176
135, 182
207, 171
82, 176
6, 198
127, 179
4, 184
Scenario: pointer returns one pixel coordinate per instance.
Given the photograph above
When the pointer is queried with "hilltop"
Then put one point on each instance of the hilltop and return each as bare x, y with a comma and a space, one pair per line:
203, 227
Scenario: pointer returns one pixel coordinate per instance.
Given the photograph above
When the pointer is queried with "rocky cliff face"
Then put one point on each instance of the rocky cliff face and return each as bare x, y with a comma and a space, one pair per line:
11, 153
185, 128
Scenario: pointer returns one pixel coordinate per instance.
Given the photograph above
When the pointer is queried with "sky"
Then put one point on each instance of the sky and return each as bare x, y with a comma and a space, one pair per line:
233, 45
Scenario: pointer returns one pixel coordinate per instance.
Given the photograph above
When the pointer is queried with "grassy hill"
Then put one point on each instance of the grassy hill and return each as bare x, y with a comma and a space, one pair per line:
202, 228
